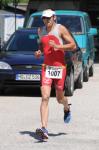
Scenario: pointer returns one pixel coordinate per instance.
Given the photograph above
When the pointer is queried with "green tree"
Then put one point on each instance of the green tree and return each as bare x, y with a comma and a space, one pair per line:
4, 3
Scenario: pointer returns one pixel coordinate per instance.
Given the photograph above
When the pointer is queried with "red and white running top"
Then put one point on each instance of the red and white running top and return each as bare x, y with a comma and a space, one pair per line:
52, 57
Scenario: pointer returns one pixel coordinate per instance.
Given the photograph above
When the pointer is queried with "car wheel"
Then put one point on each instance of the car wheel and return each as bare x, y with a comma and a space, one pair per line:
69, 84
86, 74
79, 82
91, 71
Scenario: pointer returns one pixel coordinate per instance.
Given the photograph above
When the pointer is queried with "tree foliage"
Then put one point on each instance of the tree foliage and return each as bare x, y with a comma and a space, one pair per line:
11, 1
4, 3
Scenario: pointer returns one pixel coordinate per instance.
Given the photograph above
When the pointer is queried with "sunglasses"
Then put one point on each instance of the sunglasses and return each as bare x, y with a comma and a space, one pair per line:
48, 18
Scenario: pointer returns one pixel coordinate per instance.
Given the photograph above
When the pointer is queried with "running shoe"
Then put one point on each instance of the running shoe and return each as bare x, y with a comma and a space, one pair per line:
42, 133
67, 115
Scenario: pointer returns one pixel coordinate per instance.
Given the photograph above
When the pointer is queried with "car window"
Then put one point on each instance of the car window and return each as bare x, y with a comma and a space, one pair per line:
35, 22
23, 41
73, 23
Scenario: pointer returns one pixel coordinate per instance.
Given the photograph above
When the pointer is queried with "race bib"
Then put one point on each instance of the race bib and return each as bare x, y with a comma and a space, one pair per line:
54, 72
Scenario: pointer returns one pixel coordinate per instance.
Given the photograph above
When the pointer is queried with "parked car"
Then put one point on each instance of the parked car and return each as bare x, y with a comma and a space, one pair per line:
96, 39
79, 24
19, 67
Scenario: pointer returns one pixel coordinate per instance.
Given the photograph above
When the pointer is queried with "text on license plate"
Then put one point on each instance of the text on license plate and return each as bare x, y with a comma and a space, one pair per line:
29, 77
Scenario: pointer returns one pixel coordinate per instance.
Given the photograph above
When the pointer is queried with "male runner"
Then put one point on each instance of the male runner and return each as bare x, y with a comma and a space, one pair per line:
55, 39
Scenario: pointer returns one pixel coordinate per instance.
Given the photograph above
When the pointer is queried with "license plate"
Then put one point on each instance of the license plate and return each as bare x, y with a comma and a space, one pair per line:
28, 77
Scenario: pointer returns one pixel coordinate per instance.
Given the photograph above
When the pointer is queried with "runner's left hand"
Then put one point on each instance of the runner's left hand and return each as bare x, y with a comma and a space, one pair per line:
53, 44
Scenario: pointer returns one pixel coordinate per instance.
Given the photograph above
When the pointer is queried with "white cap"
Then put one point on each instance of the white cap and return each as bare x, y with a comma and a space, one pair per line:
48, 13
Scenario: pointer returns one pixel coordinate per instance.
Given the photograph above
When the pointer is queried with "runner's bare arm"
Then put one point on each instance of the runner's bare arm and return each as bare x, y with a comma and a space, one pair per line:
66, 36
39, 52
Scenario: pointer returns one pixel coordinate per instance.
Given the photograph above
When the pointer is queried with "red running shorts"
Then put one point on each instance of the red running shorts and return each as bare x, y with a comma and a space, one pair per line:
58, 83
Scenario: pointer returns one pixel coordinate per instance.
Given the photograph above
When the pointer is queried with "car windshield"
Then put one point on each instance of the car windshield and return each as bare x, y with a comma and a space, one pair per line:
23, 41
73, 23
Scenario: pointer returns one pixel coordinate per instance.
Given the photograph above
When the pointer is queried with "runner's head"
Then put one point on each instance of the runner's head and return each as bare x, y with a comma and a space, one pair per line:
49, 17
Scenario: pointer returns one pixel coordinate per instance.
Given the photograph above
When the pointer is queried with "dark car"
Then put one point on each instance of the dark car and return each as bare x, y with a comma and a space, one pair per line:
19, 67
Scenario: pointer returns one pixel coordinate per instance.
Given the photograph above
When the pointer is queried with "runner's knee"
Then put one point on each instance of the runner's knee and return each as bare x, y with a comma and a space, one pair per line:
60, 100
45, 98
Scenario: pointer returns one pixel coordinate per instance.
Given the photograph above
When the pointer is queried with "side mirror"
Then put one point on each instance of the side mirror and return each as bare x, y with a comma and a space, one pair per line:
2, 46
93, 31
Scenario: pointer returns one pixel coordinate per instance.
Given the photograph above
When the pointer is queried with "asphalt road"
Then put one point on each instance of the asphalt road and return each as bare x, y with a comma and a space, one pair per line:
19, 117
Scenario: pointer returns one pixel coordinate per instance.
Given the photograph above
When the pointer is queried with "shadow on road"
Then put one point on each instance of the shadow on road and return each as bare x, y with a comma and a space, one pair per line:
24, 92
97, 57
33, 134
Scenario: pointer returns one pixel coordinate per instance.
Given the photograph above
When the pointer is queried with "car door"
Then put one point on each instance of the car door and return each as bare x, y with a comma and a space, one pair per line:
90, 40
77, 56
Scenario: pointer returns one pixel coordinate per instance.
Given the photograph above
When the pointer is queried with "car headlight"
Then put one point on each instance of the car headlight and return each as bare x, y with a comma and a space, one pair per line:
4, 65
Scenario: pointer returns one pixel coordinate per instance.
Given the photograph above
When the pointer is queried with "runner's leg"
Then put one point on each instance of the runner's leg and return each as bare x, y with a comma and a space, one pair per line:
59, 85
44, 109
62, 99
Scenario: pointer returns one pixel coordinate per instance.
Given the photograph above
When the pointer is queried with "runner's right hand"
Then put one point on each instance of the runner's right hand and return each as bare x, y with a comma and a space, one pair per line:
37, 54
